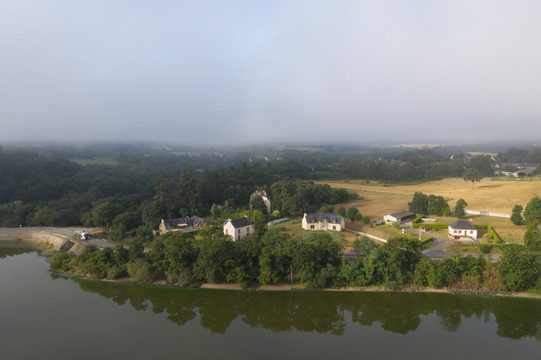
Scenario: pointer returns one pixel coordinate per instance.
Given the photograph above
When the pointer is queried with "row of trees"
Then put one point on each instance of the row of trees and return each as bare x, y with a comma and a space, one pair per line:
271, 256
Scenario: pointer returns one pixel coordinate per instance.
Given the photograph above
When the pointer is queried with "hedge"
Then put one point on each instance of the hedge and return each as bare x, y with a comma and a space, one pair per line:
430, 226
440, 226
417, 219
496, 238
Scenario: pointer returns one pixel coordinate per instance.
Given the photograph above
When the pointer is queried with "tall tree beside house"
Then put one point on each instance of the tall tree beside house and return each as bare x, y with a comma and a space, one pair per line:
516, 215
342, 211
161, 189
459, 208
186, 192
419, 203
258, 220
257, 203
472, 175
214, 211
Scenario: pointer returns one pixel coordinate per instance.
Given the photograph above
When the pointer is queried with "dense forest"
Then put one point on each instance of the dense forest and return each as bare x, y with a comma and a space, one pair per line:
137, 185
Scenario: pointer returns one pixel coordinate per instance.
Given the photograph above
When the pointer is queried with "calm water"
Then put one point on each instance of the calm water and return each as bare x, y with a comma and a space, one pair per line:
55, 318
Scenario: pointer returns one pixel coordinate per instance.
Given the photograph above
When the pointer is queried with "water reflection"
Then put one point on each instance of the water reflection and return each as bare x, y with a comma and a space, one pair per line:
325, 312
13, 248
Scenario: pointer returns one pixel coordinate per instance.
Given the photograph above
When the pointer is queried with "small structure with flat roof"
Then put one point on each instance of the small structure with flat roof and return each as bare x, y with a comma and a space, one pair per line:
399, 217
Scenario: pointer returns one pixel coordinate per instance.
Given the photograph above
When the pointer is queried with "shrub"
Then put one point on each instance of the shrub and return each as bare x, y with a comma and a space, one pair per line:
485, 248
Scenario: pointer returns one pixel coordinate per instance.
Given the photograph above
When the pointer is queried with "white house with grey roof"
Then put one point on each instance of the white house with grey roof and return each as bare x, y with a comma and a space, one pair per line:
323, 222
238, 228
462, 230
399, 217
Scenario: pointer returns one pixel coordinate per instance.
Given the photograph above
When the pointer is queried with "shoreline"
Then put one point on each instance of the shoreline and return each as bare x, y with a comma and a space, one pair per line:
300, 288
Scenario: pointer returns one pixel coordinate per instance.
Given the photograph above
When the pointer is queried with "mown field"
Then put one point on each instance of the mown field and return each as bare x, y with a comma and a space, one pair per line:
494, 195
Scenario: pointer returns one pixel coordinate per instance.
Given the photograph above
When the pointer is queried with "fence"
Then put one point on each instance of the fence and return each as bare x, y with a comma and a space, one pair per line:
487, 213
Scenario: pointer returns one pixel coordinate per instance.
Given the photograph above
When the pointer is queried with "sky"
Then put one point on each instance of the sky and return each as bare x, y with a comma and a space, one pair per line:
248, 72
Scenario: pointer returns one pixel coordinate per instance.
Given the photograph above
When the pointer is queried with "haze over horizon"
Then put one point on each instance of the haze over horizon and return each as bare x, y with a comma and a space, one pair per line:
243, 72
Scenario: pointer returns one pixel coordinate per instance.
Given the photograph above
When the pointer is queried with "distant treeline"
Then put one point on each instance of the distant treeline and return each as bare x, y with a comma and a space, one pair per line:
148, 183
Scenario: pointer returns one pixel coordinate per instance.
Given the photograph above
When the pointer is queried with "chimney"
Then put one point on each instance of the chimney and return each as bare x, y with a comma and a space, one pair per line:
470, 220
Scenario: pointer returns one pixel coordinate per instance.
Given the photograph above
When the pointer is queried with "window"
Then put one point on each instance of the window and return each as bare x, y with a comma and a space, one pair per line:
334, 227
312, 227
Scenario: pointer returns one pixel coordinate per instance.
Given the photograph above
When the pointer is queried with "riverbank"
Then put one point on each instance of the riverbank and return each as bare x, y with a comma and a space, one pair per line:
299, 287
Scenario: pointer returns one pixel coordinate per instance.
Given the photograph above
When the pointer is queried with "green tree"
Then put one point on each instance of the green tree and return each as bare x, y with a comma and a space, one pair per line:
257, 203
423, 269
532, 237
448, 271
214, 211
482, 164
516, 215
419, 203
472, 175
533, 210
459, 211
258, 221
436, 205
518, 269
401, 256
186, 192
353, 213
342, 211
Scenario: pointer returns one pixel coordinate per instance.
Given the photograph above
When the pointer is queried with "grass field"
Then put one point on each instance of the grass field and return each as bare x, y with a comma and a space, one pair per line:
490, 195
293, 228
95, 161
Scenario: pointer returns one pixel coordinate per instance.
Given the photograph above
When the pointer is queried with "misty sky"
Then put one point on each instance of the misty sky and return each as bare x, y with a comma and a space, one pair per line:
270, 71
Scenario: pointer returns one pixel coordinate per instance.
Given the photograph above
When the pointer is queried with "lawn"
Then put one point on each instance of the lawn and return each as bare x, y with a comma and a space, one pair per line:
293, 228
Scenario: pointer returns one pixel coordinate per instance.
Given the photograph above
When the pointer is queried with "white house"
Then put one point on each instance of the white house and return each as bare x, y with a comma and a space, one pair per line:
238, 228
323, 222
399, 217
462, 230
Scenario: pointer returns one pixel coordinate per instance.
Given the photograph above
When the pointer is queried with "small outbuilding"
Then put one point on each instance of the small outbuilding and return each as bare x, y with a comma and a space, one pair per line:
399, 217
462, 230
238, 228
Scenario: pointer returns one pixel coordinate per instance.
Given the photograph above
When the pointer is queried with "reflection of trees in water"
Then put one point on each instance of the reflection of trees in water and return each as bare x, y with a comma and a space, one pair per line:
324, 312
13, 251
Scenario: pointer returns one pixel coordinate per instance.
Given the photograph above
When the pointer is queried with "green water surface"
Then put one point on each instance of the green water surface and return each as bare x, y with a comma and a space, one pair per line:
46, 317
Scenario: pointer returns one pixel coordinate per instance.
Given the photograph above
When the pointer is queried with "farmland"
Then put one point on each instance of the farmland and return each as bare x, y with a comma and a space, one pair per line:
377, 199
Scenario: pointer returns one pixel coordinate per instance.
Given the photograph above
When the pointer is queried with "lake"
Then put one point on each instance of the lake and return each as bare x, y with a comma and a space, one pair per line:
48, 317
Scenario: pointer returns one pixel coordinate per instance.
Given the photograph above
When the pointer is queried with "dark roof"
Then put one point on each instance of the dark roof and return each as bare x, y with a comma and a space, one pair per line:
241, 222
403, 214
330, 218
186, 221
463, 225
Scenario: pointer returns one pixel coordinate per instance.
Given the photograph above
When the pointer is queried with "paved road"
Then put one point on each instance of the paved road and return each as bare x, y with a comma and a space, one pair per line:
67, 232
